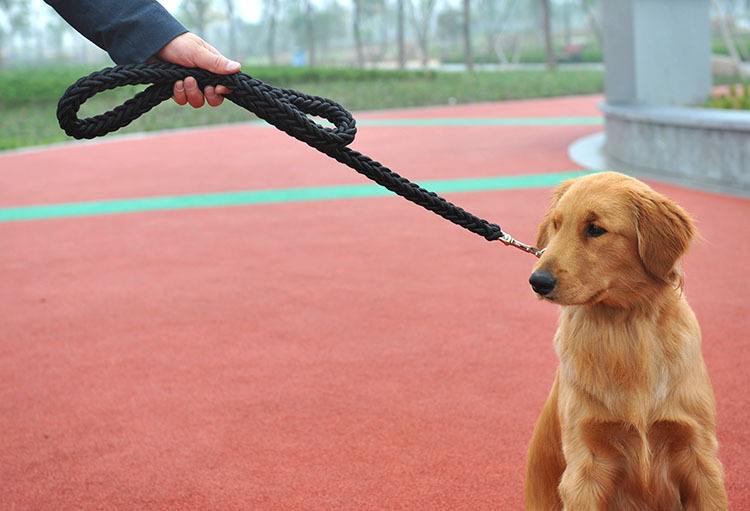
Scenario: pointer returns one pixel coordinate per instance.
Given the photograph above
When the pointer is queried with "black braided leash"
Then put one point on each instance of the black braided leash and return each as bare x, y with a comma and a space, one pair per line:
285, 109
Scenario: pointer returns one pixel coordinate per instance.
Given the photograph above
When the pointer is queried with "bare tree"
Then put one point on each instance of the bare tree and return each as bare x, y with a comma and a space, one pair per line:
468, 54
309, 10
270, 14
18, 17
369, 19
328, 18
55, 29
549, 49
385, 24
197, 14
357, 30
494, 18
422, 16
401, 36
593, 20
567, 22
232, 25
726, 35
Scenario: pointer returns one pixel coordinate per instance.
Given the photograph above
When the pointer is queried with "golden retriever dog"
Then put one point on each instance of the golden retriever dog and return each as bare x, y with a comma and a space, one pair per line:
630, 421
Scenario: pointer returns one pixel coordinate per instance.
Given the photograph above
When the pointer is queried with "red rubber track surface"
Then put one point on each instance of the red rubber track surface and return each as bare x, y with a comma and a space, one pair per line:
352, 354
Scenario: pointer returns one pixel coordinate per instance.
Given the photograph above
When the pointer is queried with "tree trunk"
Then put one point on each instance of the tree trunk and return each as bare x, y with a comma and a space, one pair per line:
310, 33
593, 21
496, 36
356, 19
400, 35
272, 6
468, 53
423, 45
384, 33
232, 29
422, 17
547, 29
40, 44
727, 37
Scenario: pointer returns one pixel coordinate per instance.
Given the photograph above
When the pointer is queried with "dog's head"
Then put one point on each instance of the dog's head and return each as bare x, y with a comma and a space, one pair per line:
609, 239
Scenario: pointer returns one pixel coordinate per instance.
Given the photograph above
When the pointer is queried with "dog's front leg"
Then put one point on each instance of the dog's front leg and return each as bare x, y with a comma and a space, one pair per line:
545, 463
588, 481
594, 465
701, 474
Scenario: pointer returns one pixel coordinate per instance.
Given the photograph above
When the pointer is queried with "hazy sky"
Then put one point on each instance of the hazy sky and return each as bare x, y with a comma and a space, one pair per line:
248, 9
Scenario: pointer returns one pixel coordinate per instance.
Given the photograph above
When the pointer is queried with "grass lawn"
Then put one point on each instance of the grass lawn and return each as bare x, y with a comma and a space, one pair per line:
28, 98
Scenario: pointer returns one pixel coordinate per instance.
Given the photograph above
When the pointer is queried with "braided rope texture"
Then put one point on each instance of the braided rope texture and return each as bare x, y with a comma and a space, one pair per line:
285, 109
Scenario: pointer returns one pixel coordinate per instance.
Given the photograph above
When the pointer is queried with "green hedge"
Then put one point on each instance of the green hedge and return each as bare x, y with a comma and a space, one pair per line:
741, 41
34, 85
23, 86
291, 75
531, 55
738, 98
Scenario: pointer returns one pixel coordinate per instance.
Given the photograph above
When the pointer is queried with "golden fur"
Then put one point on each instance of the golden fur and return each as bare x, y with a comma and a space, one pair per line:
630, 421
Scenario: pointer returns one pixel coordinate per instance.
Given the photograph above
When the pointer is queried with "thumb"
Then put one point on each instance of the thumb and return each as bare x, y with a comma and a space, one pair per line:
215, 62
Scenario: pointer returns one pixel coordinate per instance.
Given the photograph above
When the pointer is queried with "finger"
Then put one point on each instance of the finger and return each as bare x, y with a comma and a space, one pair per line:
194, 94
178, 93
220, 89
211, 48
215, 62
212, 98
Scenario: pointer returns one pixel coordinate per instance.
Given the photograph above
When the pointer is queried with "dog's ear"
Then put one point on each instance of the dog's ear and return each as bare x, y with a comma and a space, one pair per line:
542, 233
664, 233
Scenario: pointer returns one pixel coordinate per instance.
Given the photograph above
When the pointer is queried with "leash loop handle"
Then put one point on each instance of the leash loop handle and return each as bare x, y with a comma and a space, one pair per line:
286, 109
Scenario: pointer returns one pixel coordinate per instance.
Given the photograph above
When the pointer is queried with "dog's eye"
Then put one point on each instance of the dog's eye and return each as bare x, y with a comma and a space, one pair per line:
594, 231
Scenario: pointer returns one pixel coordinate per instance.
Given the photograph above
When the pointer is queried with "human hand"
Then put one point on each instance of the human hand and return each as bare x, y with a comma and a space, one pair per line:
189, 50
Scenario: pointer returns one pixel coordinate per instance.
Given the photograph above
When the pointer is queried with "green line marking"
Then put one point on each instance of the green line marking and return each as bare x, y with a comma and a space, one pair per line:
470, 121
272, 196
486, 121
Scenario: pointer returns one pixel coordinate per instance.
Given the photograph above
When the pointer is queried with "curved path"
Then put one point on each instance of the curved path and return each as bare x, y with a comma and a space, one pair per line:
225, 319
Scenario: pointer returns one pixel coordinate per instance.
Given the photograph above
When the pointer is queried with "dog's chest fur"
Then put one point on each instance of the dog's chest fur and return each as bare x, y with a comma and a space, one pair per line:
620, 364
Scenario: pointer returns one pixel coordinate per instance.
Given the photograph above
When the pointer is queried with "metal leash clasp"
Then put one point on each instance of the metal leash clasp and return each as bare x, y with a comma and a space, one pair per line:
513, 242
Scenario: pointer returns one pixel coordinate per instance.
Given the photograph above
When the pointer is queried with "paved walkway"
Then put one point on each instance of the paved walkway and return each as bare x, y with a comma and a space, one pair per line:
225, 319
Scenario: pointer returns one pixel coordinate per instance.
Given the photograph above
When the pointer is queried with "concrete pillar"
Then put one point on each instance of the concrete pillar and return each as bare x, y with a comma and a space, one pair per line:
657, 52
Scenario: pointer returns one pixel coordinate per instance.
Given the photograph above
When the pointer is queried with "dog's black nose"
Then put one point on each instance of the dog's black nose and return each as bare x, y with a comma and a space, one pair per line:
542, 282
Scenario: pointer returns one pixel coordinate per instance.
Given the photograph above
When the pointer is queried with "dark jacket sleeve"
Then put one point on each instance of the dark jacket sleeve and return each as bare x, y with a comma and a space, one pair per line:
131, 31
